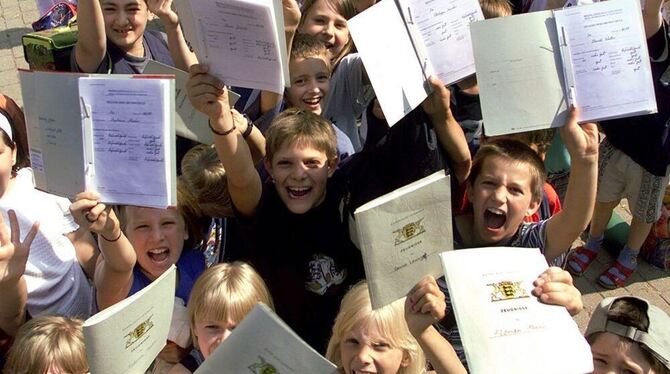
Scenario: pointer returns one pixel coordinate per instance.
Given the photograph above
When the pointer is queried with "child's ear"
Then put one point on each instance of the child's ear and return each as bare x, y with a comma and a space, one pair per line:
332, 165
406, 359
533, 207
268, 167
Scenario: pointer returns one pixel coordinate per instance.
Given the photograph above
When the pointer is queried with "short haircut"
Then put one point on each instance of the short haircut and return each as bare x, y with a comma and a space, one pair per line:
515, 152
390, 321
204, 175
303, 128
347, 9
48, 341
496, 8
539, 139
227, 291
306, 45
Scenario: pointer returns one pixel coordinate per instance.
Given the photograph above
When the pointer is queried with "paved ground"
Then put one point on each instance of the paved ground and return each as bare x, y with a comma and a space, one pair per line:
649, 282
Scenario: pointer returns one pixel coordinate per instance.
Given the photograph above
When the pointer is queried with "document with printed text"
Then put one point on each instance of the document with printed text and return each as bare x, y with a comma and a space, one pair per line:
116, 136
403, 42
504, 328
532, 67
401, 234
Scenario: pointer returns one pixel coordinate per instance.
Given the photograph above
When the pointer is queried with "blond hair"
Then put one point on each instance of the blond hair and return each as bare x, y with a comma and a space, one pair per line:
48, 342
227, 291
306, 45
345, 8
390, 320
303, 128
496, 8
204, 175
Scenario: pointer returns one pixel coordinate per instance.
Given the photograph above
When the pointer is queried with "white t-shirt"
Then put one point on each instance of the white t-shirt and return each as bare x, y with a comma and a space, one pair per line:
56, 282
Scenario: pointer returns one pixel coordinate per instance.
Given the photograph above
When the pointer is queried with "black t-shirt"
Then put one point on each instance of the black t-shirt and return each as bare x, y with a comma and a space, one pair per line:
308, 260
646, 139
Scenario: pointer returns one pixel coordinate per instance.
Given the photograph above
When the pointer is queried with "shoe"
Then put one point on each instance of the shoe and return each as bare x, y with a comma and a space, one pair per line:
580, 260
616, 276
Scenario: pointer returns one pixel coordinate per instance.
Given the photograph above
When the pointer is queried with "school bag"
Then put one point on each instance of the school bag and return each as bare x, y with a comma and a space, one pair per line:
50, 49
656, 248
61, 14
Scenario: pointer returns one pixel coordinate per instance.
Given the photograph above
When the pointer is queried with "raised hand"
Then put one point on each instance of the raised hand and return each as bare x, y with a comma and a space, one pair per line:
207, 93
437, 103
92, 215
424, 305
554, 286
14, 252
163, 9
581, 140
291, 15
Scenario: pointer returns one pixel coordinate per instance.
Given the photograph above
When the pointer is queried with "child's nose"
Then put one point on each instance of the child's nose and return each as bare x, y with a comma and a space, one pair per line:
329, 30
363, 356
500, 194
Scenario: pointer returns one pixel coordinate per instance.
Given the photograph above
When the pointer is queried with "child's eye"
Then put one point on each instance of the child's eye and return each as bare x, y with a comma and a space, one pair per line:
488, 183
516, 191
322, 77
341, 25
351, 341
313, 163
142, 227
169, 223
381, 346
319, 20
299, 82
283, 163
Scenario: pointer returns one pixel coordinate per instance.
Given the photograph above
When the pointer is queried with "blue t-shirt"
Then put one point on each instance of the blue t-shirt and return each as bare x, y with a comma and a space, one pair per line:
190, 265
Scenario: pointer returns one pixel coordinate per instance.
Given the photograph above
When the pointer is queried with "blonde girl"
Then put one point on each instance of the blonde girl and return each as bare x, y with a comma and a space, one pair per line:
392, 339
221, 297
48, 344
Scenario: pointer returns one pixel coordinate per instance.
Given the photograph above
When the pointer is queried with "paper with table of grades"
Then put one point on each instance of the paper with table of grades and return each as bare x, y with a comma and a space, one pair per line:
130, 136
242, 41
607, 60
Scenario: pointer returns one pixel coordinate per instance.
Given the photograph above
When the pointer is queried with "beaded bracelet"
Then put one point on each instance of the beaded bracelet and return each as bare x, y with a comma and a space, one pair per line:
112, 240
221, 133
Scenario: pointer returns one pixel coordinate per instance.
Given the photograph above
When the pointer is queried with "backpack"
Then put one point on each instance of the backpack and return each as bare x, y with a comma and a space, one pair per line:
50, 49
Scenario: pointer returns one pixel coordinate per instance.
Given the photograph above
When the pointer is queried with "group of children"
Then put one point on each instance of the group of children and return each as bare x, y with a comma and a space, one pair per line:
264, 214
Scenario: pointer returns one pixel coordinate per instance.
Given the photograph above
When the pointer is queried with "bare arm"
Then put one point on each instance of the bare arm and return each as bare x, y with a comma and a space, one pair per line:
651, 16
424, 306
181, 54
448, 130
13, 259
92, 42
208, 95
291, 10
86, 249
564, 227
114, 271
255, 140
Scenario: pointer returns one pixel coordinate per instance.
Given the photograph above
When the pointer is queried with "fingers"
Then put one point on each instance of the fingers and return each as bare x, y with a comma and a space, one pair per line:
28, 241
14, 227
554, 274
426, 298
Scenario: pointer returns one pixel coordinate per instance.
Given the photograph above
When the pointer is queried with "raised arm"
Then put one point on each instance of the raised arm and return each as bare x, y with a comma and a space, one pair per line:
449, 132
564, 227
554, 286
114, 272
291, 10
13, 259
208, 95
424, 306
181, 54
651, 16
92, 43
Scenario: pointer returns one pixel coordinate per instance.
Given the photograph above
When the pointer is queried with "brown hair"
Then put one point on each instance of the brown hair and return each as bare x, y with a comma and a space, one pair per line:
48, 341
347, 9
538, 140
306, 45
630, 311
496, 8
226, 291
516, 152
302, 127
204, 175
17, 121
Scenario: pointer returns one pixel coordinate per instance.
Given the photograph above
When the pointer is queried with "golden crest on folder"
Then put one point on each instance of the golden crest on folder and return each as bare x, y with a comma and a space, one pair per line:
409, 231
139, 331
262, 367
507, 290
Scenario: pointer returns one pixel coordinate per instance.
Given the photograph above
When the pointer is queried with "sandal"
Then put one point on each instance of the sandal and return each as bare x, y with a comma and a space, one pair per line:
616, 276
580, 260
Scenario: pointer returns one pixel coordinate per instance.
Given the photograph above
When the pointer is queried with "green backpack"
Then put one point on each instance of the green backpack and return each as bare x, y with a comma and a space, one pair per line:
50, 49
